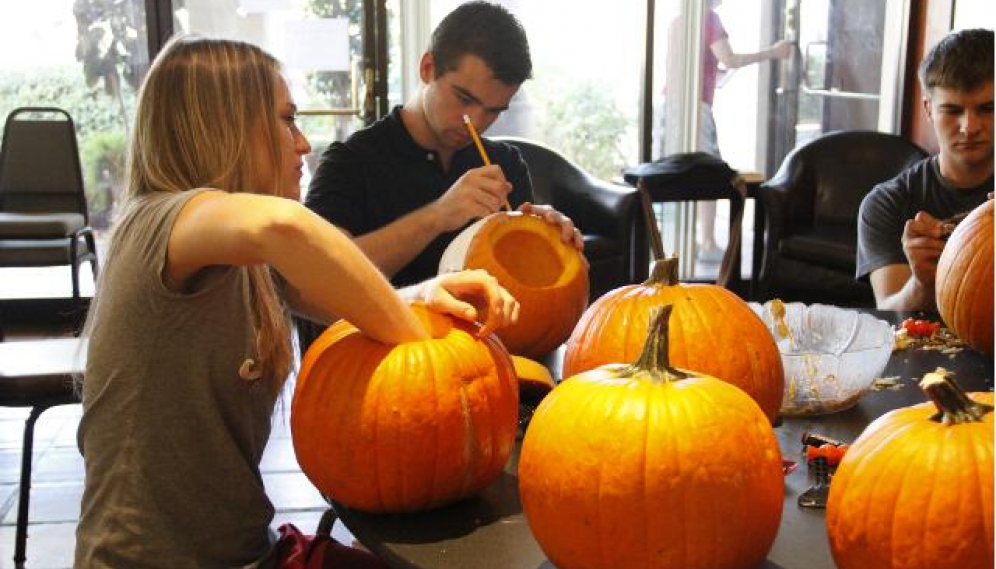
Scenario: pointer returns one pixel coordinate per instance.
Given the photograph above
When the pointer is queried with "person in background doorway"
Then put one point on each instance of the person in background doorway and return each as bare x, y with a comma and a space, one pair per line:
903, 223
406, 185
718, 58
189, 332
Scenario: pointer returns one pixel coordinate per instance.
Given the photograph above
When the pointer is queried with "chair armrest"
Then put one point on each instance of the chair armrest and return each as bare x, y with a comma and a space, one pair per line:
775, 205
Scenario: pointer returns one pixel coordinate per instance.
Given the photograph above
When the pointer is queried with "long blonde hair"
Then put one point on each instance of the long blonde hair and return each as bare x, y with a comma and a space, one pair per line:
200, 106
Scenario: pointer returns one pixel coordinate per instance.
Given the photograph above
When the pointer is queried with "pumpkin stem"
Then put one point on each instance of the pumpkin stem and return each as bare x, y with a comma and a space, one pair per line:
664, 272
953, 405
653, 231
654, 357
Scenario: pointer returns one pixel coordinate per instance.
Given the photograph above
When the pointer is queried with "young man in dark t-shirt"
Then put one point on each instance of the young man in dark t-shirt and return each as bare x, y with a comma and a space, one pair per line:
406, 185
903, 223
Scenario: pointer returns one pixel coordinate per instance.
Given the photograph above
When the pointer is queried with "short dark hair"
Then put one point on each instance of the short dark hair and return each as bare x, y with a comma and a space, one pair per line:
488, 31
962, 61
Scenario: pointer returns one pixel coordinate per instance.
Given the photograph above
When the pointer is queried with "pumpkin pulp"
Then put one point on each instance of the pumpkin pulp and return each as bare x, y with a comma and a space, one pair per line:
526, 254
541, 268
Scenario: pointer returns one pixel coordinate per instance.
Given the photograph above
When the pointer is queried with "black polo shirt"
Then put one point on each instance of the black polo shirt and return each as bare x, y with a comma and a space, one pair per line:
380, 174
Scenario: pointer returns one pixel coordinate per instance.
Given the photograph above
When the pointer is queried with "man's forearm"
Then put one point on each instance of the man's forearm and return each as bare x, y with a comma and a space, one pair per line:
395, 245
913, 295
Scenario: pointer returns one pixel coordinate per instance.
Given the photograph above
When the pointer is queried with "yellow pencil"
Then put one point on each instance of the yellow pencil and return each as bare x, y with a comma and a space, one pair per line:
480, 149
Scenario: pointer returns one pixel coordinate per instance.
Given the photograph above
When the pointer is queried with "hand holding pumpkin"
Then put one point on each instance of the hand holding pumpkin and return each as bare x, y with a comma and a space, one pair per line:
472, 295
569, 234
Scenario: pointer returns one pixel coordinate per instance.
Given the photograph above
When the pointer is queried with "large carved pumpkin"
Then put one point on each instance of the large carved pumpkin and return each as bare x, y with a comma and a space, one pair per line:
712, 331
649, 466
548, 277
915, 490
964, 282
408, 427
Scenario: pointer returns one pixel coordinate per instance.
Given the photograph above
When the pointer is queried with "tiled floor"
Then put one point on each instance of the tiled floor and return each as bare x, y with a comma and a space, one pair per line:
57, 483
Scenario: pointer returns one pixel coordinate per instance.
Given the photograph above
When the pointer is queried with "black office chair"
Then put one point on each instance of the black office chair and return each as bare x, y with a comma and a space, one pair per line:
811, 212
608, 215
43, 211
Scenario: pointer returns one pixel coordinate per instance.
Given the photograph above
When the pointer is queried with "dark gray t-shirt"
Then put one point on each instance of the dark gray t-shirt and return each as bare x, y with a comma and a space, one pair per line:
885, 210
172, 436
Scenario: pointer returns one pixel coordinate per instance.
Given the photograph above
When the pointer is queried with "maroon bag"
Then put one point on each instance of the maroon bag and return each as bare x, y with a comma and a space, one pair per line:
321, 551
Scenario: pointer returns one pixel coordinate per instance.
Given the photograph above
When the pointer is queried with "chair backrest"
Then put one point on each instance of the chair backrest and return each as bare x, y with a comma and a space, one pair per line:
40, 164
550, 172
828, 176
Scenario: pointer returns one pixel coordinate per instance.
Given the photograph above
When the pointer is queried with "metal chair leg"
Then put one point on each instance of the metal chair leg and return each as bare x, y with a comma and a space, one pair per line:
24, 491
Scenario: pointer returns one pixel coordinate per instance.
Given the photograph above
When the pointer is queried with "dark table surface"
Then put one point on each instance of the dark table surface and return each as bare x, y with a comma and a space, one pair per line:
490, 532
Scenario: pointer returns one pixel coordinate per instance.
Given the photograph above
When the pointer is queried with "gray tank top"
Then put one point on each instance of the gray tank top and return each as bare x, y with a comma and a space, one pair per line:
171, 435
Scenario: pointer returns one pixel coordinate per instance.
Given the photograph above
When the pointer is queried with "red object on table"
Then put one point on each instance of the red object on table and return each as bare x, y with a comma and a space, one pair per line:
832, 453
917, 327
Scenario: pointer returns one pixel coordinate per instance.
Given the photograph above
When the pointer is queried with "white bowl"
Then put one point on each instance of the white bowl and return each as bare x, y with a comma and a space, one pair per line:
831, 357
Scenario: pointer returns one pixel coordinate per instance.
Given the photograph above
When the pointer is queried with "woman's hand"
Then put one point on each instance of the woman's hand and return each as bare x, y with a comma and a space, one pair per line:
472, 295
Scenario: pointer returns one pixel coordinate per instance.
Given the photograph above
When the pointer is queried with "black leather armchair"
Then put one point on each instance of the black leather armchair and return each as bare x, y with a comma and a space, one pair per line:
811, 211
607, 214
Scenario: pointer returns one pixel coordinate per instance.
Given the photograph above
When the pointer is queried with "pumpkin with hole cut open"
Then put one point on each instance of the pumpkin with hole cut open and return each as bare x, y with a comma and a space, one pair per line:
406, 427
548, 277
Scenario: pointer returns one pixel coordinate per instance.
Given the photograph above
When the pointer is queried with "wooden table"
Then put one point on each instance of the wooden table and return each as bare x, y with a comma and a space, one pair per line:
490, 532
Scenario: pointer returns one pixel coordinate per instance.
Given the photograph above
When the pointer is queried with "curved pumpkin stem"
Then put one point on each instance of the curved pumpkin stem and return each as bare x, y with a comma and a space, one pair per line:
953, 405
654, 357
653, 231
664, 272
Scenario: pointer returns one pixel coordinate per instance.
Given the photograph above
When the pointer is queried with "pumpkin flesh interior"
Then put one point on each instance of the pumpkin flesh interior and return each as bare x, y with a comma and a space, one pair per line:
528, 257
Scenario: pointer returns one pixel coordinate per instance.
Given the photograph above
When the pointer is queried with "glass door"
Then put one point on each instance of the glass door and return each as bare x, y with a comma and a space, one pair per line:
700, 105
847, 73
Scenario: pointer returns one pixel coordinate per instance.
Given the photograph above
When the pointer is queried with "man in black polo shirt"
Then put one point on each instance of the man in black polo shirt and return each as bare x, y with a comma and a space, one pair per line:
406, 185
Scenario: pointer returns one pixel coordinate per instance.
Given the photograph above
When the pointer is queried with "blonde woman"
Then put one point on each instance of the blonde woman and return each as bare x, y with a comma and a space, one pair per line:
189, 336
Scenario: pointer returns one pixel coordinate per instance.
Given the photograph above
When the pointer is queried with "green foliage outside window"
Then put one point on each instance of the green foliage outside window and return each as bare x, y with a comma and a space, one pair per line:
583, 123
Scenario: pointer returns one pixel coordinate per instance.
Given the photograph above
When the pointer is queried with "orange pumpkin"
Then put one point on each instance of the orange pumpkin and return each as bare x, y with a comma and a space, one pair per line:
408, 427
645, 465
535, 380
915, 490
548, 277
713, 331
964, 282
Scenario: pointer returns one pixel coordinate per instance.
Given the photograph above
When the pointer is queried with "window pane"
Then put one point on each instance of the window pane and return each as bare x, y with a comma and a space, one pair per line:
86, 57
318, 41
583, 99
